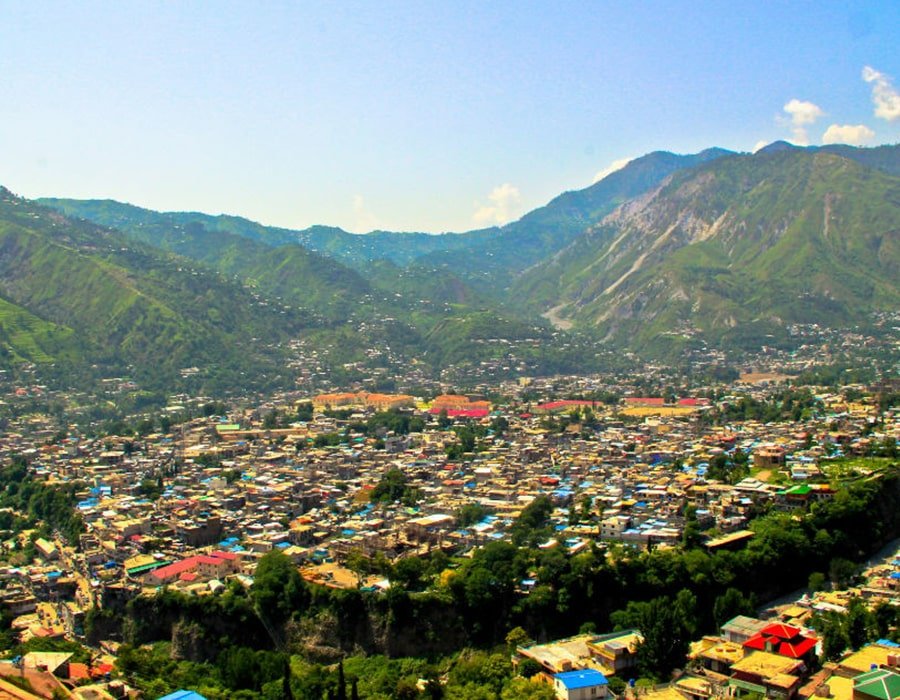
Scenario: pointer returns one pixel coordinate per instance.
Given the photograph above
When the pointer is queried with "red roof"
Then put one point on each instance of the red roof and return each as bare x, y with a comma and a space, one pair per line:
176, 569
78, 672
784, 640
777, 629
102, 670
799, 649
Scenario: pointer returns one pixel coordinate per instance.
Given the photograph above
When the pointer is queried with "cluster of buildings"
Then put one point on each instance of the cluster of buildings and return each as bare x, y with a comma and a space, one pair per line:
750, 657
196, 507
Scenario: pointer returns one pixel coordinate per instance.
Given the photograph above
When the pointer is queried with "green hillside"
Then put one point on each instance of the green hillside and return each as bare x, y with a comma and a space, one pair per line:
670, 250
26, 338
485, 258
252, 309
158, 228
736, 250
131, 309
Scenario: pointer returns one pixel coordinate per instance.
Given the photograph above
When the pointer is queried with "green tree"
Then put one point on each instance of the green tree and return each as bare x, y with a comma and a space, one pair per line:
523, 689
517, 637
532, 525
842, 572
817, 581
278, 591
731, 603
859, 623
666, 634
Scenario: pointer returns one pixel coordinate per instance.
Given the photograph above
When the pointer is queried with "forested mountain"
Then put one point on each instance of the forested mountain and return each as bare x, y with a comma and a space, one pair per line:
84, 301
81, 297
479, 255
739, 248
724, 247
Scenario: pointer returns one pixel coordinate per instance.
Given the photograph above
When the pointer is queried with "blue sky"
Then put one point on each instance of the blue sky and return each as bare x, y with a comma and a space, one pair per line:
417, 115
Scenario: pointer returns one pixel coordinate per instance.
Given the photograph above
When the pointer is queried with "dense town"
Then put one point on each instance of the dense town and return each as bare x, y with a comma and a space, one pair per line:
340, 482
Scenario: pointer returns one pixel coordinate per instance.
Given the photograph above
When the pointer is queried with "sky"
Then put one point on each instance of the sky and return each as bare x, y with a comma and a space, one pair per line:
418, 115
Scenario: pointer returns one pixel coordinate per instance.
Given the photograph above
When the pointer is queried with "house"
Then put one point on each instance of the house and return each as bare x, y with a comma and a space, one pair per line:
769, 457
718, 655
767, 674
870, 656
784, 640
616, 651
878, 684
183, 695
741, 628
214, 565
429, 527
580, 685
55, 662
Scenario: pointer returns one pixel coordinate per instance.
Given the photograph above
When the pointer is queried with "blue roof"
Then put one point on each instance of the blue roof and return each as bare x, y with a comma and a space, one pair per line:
585, 678
182, 695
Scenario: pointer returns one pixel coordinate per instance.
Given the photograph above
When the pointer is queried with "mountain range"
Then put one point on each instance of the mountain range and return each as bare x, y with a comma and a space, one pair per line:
725, 248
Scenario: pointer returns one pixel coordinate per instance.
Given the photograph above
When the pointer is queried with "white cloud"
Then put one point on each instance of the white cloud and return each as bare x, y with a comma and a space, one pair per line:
611, 168
884, 95
848, 133
760, 145
504, 202
365, 220
802, 114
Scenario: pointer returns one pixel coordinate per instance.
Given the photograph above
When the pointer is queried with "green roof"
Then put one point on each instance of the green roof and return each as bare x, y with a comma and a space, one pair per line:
747, 685
879, 683
144, 568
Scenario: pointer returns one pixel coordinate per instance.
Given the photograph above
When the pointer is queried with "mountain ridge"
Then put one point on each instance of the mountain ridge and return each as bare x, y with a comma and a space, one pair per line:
668, 260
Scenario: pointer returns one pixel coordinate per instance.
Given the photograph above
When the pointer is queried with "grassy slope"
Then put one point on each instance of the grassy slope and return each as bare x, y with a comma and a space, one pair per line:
128, 305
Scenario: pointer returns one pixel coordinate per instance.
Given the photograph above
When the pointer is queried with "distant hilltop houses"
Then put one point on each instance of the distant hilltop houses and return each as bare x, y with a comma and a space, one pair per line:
456, 406
362, 399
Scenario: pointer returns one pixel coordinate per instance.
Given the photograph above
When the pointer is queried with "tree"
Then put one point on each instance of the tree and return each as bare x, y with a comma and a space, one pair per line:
359, 564
860, 623
471, 513
531, 525
886, 618
834, 635
817, 581
842, 572
393, 486
518, 637
529, 668
409, 572
482, 670
730, 604
277, 588
665, 631
691, 536
522, 689
342, 683
270, 420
